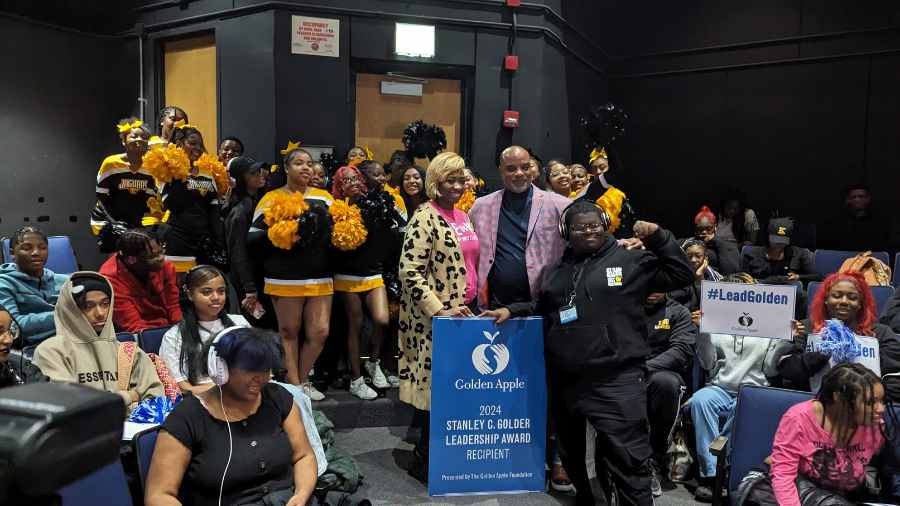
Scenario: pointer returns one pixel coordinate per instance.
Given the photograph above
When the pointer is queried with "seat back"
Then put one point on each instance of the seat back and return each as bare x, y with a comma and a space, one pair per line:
125, 337
144, 442
896, 277
60, 255
106, 485
881, 294
756, 417
150, 340
829, 260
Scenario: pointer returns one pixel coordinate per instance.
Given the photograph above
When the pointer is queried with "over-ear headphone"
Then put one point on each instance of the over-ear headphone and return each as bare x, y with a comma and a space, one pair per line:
564, 232
216, 368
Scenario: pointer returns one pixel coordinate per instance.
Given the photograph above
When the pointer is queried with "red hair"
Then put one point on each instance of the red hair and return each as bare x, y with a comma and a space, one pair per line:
818, 313
337, 189
705, 213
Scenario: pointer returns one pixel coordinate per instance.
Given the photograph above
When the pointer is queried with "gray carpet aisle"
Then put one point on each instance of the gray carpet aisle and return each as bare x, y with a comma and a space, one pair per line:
383, 453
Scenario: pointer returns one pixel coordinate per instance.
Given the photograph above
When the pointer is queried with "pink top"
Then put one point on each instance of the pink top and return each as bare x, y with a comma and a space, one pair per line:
468, 242
803, 447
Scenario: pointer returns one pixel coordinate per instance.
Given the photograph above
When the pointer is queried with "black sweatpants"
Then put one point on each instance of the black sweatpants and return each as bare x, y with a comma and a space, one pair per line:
663, 402
616, 407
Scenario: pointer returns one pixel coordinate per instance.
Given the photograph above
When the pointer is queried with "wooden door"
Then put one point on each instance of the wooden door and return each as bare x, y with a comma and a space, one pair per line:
190, 82
381, 119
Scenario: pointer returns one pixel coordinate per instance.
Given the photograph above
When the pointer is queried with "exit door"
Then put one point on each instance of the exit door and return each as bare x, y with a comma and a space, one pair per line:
381, 118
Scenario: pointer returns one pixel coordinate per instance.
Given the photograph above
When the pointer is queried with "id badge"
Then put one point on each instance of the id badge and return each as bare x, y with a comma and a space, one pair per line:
568, 314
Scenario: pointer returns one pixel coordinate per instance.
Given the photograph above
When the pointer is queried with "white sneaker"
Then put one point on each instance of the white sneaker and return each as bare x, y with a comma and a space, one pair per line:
374, 370
394, 380
311, 392
359, 388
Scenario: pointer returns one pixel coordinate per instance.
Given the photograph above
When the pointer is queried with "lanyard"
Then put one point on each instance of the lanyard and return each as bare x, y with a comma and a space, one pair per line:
577, 274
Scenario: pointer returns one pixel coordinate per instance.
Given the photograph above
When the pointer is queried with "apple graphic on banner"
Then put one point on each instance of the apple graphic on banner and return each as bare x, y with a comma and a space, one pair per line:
484, 354
745, 320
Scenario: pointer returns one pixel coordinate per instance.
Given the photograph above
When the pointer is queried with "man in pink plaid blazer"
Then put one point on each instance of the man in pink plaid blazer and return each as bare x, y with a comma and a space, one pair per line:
518, 231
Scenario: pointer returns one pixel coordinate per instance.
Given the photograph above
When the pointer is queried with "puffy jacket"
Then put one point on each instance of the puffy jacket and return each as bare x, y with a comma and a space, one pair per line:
610, 333
30, 300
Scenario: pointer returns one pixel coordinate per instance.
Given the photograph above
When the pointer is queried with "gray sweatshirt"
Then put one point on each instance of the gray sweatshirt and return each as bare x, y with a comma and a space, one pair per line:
733, 361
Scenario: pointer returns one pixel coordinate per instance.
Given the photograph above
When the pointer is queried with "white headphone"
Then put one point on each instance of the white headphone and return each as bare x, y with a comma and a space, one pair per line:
217, 369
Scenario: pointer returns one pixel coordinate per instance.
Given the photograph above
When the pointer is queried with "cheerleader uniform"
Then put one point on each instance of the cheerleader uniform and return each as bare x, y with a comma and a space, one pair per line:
615, 203
123, 194
302, 271
360, 270
193, 215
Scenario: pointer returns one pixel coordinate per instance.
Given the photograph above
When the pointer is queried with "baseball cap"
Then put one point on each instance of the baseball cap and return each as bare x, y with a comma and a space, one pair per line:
780, 231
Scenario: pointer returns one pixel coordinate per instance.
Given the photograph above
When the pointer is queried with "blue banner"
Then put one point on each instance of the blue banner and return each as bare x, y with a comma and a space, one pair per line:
488, 407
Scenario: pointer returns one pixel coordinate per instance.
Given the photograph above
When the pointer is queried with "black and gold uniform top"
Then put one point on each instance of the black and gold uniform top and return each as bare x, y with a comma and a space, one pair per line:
193, 204
361, 269
122, 192
305, 269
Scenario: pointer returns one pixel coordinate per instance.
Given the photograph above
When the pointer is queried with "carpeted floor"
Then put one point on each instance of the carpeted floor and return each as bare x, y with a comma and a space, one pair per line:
383, 454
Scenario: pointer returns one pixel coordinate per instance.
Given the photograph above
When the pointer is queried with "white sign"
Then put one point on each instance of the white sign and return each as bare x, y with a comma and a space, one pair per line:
747, 310
868, 356
315, 36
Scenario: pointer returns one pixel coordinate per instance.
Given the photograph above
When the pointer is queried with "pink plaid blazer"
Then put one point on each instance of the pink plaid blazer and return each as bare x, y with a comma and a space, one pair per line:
543, 245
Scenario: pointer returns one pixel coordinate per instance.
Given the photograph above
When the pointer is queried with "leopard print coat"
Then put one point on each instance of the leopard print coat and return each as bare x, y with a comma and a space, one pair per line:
433, 277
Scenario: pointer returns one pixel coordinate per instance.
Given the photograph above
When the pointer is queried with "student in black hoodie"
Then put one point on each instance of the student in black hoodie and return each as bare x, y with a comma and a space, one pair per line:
250, 182
596, 344
672, 338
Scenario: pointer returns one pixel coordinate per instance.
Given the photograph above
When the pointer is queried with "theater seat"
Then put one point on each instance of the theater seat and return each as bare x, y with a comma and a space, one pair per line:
61, 257
756, 417
107, 485
150, 340
882, 295
828, 260
896, 278
144, 442
125, 337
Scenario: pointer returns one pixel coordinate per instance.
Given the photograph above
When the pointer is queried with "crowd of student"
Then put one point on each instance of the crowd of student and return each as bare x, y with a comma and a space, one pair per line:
234, 245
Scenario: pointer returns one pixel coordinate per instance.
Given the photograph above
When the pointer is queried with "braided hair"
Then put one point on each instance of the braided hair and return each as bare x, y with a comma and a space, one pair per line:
841, 388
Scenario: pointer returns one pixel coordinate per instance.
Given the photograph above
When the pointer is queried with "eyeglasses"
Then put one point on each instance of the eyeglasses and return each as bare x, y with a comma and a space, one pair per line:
586, 228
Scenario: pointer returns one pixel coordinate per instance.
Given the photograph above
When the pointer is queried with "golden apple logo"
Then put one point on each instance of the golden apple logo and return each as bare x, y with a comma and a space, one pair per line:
484, 355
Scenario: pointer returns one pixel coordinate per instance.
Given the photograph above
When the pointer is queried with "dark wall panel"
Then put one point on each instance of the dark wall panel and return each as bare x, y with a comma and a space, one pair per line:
312, 93
247, 81
63, 94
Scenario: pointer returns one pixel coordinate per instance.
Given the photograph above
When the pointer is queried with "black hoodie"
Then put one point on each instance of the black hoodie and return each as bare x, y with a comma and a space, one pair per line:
610, 333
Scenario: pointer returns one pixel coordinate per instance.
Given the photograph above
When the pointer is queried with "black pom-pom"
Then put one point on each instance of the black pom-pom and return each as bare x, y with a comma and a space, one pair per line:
423, 140
330, 163
604, 125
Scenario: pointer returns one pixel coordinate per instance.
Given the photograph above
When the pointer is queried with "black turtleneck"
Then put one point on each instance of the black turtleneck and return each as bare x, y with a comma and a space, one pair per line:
508, 279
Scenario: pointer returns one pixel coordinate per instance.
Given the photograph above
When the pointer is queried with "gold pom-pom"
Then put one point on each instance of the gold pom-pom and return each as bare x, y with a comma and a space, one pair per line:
349, 232
466, 202
214, 167
284, 207
611, 201
284, 234
167, 163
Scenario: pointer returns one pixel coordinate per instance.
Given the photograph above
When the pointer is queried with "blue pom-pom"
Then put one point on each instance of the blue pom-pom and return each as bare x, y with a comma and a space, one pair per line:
153, 410
840, 342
